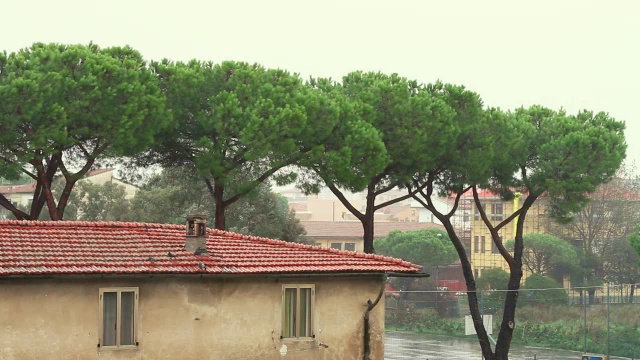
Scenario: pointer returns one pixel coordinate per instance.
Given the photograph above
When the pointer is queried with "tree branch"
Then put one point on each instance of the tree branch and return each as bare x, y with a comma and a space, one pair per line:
494, 233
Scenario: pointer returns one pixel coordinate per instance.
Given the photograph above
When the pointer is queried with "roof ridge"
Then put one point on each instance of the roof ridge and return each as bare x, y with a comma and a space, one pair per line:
60, 247
80, 223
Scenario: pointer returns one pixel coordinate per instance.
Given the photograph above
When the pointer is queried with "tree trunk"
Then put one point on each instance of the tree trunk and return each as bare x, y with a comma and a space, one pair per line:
631, 293
19, 215
64, 198
220, 206
508, 317
472, 295
368, 221
367, 224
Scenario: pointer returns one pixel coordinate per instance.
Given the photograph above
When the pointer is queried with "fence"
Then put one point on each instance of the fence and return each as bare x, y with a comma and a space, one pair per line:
602, 320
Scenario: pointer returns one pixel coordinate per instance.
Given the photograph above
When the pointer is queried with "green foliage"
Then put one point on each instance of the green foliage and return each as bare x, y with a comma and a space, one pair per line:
544, 254
622, 262
418, 126
426, 247
634, 240
491, 286
176, 193
423, 321
239, 124
65, 106
106, 202
553, 293
567, 156
16, 179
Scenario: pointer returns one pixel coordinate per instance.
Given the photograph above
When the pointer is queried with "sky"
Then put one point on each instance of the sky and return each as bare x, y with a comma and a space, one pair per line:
571, 54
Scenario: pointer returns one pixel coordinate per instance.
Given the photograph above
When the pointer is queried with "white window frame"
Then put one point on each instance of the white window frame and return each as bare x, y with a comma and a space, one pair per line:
119, 291
297, 322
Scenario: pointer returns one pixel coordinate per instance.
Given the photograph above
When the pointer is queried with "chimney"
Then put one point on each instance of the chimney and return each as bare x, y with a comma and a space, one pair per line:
196, 240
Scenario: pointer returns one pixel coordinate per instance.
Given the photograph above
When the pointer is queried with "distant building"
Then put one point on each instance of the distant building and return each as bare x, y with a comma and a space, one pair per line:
483, 252
348, 235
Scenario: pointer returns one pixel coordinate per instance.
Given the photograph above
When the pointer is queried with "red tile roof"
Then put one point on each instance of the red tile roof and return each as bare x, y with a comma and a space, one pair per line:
353, 229
69, 247
17, 189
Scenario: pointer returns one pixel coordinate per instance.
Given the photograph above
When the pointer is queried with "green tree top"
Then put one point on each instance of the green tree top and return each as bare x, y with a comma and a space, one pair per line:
239, 121
66, 106
427, 247
634, 239
415, 128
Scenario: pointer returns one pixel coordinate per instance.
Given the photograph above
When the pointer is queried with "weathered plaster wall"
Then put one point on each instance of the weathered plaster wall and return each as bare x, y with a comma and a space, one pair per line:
186, 318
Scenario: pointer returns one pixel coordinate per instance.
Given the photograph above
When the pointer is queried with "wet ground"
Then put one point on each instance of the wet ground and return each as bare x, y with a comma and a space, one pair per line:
405, 346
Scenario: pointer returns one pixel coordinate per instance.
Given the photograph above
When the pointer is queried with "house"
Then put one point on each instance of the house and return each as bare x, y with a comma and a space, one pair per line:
348, 235
18, 195
109, 290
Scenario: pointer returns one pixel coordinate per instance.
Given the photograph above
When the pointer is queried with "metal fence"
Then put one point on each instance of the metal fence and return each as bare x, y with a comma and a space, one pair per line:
597, 320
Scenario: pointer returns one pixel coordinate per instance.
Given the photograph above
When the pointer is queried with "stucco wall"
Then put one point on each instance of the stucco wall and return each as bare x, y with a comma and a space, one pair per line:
186, 318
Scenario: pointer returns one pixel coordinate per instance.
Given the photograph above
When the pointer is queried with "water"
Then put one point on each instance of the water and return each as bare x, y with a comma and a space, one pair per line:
405, 346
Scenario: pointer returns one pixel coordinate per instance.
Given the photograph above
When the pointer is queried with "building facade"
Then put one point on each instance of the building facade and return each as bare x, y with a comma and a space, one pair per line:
84, 290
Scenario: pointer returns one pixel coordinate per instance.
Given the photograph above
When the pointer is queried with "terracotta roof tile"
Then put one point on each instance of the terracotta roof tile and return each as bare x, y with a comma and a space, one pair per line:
68, 247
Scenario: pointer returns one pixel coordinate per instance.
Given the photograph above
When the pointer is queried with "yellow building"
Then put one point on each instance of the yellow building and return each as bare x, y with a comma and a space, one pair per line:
483, 252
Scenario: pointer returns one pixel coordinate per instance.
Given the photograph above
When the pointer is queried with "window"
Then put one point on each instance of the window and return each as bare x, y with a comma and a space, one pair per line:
477, 212
297, 310
482, 243
496, 211
494, 247
336, 246
317, 244
476, 243
118, 312
350, 246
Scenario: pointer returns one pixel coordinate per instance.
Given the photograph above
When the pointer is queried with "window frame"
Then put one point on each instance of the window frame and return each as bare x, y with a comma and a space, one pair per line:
344, 246
297, 322
118, 291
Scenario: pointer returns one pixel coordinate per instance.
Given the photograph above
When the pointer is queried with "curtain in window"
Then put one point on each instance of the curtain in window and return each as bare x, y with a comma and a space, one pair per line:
305, 312
109, 316
127, 303
290, 302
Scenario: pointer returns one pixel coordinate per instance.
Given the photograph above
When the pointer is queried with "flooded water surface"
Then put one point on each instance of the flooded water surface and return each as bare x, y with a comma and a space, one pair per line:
405, 346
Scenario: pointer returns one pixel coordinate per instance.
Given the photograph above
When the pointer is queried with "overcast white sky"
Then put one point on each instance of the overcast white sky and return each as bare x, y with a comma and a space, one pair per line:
576, 54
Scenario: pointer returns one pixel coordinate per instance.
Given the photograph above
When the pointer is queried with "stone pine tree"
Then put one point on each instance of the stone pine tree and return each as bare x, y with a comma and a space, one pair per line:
64, 107
240, 122
414, 127
537, 152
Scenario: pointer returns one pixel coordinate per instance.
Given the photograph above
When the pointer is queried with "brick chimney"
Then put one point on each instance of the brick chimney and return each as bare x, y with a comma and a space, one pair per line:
196, 237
